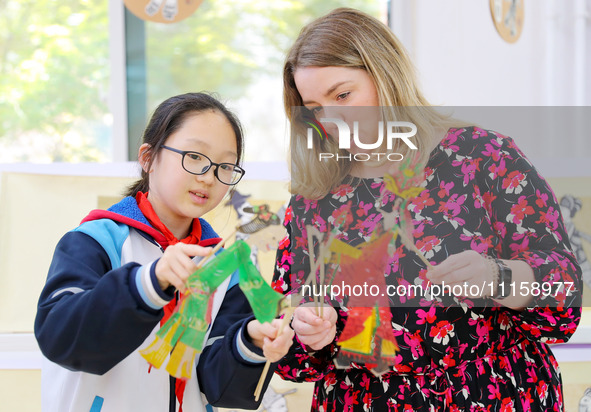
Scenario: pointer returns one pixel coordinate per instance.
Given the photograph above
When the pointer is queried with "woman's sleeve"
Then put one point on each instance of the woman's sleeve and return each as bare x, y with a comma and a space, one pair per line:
88, 317
299, 365
526, 216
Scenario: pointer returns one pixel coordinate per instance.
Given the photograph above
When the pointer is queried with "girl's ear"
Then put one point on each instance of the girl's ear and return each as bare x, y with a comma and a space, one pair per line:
144, 155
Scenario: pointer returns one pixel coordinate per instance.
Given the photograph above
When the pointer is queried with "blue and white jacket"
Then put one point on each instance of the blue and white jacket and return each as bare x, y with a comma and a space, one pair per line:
102, 304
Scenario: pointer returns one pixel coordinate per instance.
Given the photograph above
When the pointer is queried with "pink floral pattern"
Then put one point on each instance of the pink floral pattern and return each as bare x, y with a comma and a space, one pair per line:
482, 194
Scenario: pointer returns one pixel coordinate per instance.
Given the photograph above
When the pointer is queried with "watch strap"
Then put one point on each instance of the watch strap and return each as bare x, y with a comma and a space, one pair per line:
504, 280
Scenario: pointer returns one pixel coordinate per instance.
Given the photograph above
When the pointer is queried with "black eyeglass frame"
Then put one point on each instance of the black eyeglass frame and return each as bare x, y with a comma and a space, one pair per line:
217, 165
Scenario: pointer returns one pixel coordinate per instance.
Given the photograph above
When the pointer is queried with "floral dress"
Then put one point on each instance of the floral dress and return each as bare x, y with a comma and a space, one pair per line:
481, 193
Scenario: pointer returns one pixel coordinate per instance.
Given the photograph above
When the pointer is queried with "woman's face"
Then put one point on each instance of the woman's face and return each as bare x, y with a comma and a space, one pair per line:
344, 93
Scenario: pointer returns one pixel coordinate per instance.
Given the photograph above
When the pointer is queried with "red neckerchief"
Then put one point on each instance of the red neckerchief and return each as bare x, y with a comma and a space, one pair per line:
193, 238
148, 211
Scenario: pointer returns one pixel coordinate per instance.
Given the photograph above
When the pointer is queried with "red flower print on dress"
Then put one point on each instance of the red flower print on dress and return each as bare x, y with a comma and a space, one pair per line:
278, 285
421, 201
429, 245
542, 389
448, 143
320, 223
286, 257
284, 243
366, 227
493, 152
441, 332
550, 218
351, 398
526, 400
507, 405
329, 381
515, 182
343, 193
497, 169
394, 261
444, 188
452, 208
288, 214
519, 211
500, 228
478, 132
469, 167
341, 217
428, 317
493, 391
309, 203
479, 408
521, 241
363, 208
477, 242
541, 199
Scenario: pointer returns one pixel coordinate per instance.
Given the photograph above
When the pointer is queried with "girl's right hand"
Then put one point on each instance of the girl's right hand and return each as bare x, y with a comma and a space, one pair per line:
176, 265
312, 330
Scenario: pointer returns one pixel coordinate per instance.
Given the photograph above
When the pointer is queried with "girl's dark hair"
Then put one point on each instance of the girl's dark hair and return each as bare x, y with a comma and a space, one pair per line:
169, 117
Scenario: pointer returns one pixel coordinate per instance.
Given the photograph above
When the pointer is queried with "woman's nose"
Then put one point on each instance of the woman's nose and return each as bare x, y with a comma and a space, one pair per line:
333, 120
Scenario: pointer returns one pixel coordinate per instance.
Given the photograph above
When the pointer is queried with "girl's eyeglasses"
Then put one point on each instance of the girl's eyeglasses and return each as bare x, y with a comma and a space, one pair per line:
198, 164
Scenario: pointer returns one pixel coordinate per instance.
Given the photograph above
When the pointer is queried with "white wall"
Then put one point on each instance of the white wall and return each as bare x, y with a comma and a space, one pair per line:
462, 61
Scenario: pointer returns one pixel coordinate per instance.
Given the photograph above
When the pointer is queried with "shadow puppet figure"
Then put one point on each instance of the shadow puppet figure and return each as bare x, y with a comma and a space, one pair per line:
569, 206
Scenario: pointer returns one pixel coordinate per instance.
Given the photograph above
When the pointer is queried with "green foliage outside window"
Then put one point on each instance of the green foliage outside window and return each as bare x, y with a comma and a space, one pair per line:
55, 68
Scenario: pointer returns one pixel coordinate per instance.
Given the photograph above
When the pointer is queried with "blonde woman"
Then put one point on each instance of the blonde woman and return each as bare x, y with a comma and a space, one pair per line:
486, 222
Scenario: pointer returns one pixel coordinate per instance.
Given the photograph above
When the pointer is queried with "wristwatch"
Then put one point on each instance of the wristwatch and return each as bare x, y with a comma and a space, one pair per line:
505, 279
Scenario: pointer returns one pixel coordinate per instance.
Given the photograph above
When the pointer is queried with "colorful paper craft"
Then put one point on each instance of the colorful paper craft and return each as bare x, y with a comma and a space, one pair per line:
368, 337
182, 336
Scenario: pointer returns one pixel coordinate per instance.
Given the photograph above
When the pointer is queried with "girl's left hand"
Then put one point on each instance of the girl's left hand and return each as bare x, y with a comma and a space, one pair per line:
468, 271
266, 336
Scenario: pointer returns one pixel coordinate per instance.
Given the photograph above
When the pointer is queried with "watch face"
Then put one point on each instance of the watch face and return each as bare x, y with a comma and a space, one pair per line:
507, 16
505, 277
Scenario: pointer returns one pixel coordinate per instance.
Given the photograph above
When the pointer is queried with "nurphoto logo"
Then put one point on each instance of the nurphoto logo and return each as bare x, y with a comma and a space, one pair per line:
391, 133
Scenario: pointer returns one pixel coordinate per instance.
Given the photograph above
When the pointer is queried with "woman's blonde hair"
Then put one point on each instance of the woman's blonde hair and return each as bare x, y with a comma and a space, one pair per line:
350, 38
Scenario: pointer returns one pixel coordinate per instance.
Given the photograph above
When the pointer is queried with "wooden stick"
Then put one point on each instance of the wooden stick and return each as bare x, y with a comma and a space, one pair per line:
313, 262
212, 252
259, 388
215, 249
409, 243
287, 314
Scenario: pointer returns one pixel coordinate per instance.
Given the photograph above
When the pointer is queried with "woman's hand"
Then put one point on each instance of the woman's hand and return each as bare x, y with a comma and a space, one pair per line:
468, 274
176, 265
475, 275
312, 330
266, 336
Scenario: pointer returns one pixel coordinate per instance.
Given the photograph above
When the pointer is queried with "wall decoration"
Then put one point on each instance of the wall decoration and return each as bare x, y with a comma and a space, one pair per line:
162, 11
570, 206
507, 16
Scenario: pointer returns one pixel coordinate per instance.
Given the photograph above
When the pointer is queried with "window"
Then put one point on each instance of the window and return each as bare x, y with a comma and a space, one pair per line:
54, 81
60, 93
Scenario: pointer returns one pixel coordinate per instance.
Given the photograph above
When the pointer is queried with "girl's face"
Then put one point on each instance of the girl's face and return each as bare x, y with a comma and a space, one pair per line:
345, 93
178, 196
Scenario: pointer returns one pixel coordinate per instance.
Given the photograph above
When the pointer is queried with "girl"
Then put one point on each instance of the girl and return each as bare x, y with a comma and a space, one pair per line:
485, 217
114, 279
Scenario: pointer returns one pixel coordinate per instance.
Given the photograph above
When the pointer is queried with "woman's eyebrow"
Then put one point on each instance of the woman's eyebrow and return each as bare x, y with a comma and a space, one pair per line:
330, 90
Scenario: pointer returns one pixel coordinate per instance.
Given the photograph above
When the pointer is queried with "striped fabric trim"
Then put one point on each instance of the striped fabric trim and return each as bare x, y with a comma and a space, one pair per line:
72, 290
146, 288
246, 353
